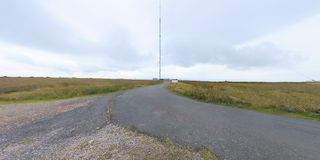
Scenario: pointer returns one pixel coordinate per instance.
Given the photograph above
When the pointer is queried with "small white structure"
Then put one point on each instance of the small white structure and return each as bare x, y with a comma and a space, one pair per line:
175, 81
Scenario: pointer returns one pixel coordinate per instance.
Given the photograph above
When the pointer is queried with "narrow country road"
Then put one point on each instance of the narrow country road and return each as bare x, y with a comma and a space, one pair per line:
229, 132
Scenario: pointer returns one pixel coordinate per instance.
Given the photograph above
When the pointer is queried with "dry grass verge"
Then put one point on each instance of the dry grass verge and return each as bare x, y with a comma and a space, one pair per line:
13, 90
291, 99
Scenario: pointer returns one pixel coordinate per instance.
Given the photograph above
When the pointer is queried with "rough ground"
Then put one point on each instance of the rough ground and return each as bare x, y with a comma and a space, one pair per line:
230, 132
34, 139
113, 142
15, 115
76, 129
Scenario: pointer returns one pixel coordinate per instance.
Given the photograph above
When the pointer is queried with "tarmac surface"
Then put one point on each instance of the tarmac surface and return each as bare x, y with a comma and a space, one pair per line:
230, 133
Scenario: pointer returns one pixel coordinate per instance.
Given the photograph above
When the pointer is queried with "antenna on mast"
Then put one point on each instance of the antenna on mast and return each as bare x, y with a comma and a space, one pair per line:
160, 29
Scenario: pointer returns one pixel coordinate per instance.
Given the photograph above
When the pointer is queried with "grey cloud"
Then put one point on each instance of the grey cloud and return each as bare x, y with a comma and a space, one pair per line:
24, 22
228, 21
27, 24
265, 55
206, 31
194, 32
232, 21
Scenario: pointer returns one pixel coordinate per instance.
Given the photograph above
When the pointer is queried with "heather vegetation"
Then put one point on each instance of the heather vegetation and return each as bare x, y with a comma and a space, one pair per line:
13, 90
291, 99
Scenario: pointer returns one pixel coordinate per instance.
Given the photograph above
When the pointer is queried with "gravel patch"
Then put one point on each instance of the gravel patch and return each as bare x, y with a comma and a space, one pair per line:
15, 115
36, 136
113, 142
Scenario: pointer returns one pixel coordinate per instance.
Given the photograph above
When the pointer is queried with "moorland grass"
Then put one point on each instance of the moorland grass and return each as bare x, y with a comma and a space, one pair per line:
290, 99
19, 90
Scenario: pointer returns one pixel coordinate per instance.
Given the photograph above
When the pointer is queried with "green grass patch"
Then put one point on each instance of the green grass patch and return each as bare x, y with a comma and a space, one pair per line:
206, 154
177, 150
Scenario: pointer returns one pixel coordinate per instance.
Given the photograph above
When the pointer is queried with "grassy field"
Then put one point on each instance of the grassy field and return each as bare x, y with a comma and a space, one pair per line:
16, 90
290, 99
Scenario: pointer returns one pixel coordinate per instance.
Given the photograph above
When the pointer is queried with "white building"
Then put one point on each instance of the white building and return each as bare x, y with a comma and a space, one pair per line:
174, 81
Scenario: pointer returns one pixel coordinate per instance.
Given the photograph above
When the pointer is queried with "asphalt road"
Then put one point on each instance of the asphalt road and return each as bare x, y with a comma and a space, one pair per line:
34, 140
229, 132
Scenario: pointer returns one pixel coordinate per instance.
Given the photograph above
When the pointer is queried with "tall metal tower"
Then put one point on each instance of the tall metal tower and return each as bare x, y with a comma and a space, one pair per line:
160, 29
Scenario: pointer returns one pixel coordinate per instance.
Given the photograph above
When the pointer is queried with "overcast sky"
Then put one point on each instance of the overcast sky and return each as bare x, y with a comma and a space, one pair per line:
236, 40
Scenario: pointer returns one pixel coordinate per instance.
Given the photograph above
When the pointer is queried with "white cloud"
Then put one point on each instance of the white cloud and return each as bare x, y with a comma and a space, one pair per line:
97, 20
301, 39
19, 60
206, 40
303, 36
211, 72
